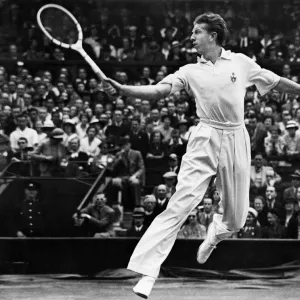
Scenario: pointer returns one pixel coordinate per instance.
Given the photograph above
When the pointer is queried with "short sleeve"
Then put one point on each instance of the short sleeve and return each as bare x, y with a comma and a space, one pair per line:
178, 81
263, 79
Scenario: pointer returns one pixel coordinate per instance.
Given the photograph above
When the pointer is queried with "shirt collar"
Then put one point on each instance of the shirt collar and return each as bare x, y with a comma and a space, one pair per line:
224, 54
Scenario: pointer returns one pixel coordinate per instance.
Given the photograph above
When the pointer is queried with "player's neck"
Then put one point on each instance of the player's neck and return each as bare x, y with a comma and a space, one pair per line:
213, 54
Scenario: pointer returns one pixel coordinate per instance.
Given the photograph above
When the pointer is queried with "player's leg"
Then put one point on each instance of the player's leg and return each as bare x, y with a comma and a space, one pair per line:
233, 181
198, 165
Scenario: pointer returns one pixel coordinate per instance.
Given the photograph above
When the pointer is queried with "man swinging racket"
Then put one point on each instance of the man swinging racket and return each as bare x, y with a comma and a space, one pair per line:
218, 146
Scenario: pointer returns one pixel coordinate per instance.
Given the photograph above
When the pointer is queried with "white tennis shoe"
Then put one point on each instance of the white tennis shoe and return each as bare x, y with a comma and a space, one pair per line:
144, 287
208, 245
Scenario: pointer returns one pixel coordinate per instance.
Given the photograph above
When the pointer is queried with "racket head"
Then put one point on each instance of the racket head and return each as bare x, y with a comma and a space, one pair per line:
59, 25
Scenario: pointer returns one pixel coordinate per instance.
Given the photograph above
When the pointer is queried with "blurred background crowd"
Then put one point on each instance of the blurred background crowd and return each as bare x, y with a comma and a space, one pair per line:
56, 120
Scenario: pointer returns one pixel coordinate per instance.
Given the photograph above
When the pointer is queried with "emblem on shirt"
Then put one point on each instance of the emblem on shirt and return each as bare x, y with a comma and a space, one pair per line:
233, 78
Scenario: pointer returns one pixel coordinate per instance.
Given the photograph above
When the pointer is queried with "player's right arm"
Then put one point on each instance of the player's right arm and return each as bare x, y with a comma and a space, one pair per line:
152, 92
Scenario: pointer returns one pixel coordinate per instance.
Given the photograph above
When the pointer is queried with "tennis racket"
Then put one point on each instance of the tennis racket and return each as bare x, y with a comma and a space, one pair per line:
63, 30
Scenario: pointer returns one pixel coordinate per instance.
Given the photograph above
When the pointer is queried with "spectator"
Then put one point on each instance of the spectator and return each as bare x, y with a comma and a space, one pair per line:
292, 141
23, 131
274, 230
157, 148
90, 144
22, 153
138, 138
292, 191
118, 129
4, 151
259, 205
149, 205
206, 216
170, 179
275, 145
129, 170
272, 201
251, 228
97, 218
160, 193
82, 126
76, 161
290, 219
69, 128
138, 227
47, 129
192, 230
29, 215
173, 165
50, 154
105, 157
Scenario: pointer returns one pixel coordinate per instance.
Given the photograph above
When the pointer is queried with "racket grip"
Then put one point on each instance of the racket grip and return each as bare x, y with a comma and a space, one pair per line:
93, 65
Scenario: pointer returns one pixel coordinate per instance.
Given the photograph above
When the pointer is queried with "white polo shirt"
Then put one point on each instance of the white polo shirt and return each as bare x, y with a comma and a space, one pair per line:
219, 89
28, 133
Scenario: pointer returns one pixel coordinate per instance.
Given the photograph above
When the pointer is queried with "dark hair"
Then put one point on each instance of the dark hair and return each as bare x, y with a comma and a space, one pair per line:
84, 115
137, 119
269, 117
215, 23
154, 133
23, 139
94, 127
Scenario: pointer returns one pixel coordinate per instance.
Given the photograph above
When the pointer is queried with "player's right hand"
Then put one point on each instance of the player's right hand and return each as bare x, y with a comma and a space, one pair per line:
110, 86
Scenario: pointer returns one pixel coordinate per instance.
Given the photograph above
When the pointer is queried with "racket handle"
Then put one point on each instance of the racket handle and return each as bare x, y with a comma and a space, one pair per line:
93, 65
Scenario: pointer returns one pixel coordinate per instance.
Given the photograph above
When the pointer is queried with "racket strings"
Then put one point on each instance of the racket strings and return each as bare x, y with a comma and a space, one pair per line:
59, 25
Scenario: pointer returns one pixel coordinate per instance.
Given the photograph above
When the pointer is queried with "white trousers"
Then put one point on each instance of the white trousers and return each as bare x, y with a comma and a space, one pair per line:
214, 148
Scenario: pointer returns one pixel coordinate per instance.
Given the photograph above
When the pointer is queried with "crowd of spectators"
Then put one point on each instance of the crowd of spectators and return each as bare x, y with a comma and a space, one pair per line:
62, 123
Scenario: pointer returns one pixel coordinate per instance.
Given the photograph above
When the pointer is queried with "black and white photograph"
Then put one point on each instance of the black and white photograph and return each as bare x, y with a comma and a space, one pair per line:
149, 149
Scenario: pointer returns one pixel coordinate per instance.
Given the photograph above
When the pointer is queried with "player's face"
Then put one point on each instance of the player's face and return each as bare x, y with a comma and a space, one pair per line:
201, 38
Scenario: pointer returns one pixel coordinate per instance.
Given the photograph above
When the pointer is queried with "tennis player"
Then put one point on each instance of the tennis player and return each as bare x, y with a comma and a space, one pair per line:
218, 146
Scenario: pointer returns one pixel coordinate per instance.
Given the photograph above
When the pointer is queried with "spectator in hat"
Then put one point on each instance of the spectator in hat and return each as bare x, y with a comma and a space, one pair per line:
290, 218
274, 230
192, 230
170, 179
29, 215
292, 141
173, 165
175, 53
138, 227
129, 171
50, 154
97, 218
251, 229
47, 128
292, 191
149, 205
